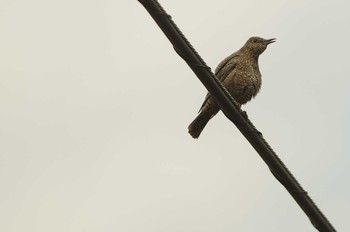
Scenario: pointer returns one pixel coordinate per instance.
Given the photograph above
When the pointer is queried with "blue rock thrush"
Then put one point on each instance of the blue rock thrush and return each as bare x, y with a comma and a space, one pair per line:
240, 75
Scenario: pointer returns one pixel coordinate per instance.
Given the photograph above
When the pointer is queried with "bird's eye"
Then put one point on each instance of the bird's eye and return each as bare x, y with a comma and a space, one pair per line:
255, 40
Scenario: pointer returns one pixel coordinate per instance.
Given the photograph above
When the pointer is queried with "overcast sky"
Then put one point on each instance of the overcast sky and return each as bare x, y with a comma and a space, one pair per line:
95, 104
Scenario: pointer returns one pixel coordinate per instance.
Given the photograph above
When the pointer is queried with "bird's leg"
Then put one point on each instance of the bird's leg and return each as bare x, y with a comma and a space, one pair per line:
252, 129
244, 114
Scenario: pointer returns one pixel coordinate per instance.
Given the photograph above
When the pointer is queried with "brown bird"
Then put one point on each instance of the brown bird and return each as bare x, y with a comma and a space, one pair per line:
240, 75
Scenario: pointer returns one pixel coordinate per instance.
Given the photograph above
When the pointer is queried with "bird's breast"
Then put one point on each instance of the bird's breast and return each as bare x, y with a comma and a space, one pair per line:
256, 82
244, 84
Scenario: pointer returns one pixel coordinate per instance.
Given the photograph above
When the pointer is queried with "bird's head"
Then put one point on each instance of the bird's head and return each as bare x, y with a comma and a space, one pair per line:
257, 45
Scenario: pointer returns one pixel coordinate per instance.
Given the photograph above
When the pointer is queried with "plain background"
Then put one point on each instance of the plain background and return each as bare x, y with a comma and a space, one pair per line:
95, 104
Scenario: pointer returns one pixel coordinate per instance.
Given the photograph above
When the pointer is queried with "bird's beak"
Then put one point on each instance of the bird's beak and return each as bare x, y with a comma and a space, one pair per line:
268, 41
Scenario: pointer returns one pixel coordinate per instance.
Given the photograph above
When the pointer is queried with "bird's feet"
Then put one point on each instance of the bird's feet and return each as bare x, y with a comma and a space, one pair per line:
244, 114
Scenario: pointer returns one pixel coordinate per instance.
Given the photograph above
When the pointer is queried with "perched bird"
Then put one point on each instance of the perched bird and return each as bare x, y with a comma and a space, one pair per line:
240, 75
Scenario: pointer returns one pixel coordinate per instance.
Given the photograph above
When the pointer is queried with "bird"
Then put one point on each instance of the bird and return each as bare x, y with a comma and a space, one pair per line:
239, 73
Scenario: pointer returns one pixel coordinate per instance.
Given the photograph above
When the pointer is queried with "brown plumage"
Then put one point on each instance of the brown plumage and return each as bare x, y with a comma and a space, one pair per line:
240, 75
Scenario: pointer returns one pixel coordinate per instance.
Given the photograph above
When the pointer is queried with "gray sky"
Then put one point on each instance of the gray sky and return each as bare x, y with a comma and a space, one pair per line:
95, 104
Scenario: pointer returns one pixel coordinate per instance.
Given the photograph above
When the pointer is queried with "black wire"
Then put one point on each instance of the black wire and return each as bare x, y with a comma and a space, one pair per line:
231, 110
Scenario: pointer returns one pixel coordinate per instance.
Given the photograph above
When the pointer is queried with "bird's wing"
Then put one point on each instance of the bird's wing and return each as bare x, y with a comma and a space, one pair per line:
225, 67
222, 71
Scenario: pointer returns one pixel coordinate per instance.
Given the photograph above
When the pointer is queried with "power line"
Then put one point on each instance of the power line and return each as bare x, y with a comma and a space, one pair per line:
233, 113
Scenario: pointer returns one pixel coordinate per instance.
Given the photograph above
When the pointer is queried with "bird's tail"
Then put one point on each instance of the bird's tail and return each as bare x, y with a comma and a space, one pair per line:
198, 124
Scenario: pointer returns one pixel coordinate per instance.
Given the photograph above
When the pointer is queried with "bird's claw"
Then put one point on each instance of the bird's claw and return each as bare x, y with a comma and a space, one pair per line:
244, 115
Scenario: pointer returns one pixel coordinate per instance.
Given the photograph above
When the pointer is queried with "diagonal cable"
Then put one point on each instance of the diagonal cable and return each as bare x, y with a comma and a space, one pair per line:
233, 113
